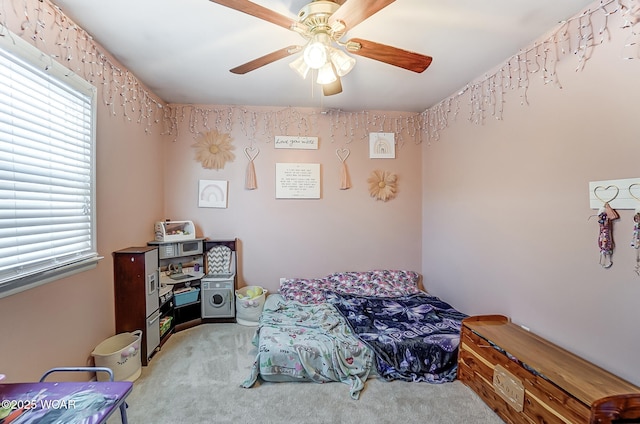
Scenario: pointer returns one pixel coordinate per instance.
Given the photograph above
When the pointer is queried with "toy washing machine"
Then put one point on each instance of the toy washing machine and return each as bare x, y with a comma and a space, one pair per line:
218, 285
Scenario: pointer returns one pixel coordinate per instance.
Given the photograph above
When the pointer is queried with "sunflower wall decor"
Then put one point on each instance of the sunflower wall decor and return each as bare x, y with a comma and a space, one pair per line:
383, 185
214, 150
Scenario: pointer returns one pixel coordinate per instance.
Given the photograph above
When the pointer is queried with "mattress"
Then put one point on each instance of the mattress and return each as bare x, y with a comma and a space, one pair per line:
350, 325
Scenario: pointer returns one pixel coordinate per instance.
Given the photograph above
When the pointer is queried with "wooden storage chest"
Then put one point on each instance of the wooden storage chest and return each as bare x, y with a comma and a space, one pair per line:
526, 379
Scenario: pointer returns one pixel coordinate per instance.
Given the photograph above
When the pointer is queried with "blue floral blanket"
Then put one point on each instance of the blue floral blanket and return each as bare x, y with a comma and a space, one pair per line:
414, 337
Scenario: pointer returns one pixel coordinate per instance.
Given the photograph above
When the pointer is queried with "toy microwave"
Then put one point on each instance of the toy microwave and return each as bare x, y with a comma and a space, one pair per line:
175, 230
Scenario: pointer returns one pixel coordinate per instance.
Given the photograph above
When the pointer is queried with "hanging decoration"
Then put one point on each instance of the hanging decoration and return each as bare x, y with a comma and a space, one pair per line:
214, 150
576, 37
605, 237
382, 185
258, 124
345, 181
250, 182
123, 93
635, 239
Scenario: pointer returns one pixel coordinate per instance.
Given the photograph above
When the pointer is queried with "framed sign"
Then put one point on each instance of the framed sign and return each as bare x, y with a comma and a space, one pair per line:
382, 146
296, 142
297, 180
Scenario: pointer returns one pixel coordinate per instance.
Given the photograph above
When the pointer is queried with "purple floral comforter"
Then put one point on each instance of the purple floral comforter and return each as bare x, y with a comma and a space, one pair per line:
414, 337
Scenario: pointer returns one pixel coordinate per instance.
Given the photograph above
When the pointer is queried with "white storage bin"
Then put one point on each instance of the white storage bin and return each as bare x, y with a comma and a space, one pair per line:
122, 354
249, 309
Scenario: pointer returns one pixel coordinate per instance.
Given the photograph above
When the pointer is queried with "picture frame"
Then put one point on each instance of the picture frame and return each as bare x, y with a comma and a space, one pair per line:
212, 194
382, 145
298, 181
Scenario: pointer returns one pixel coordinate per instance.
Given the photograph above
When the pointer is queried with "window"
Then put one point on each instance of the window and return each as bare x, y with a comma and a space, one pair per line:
47, 169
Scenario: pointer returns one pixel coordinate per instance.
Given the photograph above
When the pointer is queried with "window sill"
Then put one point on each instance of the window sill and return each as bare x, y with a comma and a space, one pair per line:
39, 279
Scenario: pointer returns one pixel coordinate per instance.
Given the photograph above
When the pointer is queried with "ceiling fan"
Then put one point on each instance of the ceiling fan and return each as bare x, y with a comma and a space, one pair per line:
323, 24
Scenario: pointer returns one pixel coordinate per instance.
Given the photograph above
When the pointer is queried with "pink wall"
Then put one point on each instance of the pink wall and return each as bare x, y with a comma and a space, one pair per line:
517, 238
343, 230
142, 178
494, 216
60, 323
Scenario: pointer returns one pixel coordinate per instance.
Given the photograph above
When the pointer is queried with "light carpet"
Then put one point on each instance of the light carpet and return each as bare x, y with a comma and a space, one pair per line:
195, 378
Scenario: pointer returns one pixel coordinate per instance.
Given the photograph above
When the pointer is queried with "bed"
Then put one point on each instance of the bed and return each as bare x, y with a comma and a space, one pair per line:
349, 325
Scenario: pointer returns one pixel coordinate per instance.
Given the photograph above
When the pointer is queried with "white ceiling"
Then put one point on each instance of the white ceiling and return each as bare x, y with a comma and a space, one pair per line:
183, 49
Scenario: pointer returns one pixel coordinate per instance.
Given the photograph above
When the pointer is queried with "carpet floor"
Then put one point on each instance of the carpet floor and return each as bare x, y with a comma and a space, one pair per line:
195, 378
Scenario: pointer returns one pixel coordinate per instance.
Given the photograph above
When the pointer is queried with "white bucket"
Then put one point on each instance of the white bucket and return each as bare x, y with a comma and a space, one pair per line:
122, 354
248, 310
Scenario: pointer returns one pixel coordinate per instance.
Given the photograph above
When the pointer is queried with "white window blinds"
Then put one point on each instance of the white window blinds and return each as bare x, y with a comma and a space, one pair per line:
47, 175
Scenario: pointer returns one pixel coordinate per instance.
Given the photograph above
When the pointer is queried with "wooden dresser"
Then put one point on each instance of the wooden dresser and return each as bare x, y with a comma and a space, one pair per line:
526, 379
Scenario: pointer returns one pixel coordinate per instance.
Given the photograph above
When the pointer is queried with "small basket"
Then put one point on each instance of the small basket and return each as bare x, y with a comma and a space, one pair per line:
185, 297
248, 311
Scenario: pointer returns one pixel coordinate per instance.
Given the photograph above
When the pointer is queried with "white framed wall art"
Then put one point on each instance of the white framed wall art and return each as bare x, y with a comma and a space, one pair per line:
382, 145
297, 180
212, 193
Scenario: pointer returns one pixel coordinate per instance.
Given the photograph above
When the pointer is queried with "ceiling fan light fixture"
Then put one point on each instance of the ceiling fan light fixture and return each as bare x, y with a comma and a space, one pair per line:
316, 53
342, 62
300, 66
323, 23
326, 74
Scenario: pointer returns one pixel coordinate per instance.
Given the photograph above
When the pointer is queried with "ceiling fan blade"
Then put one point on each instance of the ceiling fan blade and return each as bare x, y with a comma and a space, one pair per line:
412, 61
332, 88
352, 12
266, 59
258, 11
